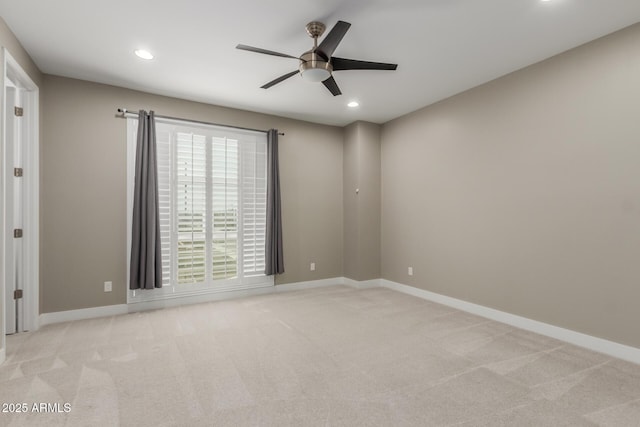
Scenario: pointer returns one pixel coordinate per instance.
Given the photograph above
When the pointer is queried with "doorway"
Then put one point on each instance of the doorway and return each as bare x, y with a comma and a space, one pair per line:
19, 177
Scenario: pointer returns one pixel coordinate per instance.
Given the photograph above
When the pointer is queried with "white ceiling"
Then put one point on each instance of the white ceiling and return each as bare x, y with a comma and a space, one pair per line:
443, 47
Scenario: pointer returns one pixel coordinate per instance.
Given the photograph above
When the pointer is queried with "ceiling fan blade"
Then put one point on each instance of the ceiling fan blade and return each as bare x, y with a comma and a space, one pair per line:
331, 84
265, 51
331, 40
341, 64
280, 79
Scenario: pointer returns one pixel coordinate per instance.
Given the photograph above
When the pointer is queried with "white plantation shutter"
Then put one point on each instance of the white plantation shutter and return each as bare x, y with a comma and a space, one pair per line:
191, 207
225, 172
254, 206
165, 176
212, 198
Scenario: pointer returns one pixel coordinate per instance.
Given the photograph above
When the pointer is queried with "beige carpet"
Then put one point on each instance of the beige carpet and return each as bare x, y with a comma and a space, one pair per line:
328, 356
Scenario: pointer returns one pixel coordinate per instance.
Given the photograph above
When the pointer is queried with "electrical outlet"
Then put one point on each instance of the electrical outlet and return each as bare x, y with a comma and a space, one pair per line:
312, 266
410, 271
108, 286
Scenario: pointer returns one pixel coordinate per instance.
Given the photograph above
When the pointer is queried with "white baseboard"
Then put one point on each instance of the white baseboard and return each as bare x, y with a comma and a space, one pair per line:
614, 349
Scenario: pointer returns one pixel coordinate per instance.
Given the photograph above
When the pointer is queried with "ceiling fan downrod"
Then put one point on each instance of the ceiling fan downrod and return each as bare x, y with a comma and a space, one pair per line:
315, 29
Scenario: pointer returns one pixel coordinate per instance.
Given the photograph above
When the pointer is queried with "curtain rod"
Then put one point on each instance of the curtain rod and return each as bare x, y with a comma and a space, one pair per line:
124, 112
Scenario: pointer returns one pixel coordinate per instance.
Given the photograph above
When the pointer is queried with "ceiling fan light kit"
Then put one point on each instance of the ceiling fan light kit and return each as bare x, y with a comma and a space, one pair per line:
314, 68
318, 64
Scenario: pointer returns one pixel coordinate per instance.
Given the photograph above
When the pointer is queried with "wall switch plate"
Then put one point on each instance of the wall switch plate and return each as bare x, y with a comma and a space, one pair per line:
108, 286
312, 266
410, 271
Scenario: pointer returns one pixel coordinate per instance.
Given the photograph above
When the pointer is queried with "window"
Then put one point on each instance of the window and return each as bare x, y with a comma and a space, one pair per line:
212, 196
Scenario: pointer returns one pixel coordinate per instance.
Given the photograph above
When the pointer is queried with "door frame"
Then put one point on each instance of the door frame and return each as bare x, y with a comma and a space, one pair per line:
31, 192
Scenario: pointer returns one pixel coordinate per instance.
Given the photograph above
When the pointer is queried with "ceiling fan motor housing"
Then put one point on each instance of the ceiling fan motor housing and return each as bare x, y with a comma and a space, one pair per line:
315, 67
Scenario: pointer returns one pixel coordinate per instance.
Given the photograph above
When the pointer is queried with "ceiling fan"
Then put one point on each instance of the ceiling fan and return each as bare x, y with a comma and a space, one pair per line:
318, 64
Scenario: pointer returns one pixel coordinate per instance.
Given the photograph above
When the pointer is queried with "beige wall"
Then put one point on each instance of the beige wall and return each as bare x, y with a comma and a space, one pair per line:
9, 41
84, 190
361, 166
524, 194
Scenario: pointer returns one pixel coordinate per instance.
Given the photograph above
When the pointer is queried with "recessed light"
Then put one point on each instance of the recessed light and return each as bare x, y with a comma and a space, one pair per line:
144, 54
353, 104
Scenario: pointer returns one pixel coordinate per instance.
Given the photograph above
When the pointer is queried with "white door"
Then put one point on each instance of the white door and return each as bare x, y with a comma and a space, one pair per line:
14, 211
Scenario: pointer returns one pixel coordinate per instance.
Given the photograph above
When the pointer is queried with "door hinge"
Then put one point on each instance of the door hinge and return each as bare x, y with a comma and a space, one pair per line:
17, 172
19, 111
17, 294
17, 232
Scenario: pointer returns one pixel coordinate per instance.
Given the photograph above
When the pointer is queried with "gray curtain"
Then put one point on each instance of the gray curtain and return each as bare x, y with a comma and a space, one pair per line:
146, 260
274, 261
